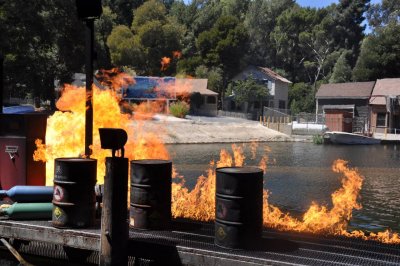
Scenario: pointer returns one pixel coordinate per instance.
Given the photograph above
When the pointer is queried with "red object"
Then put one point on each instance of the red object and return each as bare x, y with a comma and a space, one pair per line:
18, 133
339, 121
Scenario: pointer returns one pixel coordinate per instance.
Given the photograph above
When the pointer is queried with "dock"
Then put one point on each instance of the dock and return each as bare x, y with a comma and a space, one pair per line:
192, 243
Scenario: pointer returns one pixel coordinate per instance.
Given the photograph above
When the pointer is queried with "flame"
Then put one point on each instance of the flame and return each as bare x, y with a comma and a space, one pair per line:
177, 54
199, 203
165, 61
65, 136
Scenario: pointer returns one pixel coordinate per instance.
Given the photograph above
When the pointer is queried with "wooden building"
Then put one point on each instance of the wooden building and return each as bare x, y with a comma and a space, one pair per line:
385, 106
345, 105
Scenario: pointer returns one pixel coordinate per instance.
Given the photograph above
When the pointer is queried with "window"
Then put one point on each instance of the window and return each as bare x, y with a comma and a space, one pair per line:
282, 104
381, 119
211, 100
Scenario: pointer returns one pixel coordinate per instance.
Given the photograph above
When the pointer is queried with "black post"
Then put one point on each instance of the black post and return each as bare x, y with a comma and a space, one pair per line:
114, 219
1, 82
89, 83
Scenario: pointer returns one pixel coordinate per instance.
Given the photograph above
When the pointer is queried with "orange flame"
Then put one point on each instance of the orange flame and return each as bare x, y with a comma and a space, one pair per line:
65, 138
199, 203
165, 61
176, 54
65, 134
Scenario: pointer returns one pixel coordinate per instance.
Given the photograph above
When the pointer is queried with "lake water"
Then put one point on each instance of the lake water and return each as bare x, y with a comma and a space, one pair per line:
300, 173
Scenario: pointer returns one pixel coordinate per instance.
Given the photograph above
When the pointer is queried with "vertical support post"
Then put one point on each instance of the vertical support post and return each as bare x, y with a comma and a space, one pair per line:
89, 28
114, 218
1, 82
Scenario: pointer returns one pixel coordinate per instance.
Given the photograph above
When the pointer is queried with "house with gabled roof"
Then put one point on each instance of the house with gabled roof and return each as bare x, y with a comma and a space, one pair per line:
345, 106
385, 106
277, 86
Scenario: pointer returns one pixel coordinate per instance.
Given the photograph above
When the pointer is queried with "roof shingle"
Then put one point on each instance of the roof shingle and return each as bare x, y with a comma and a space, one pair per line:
383, 88
352, 90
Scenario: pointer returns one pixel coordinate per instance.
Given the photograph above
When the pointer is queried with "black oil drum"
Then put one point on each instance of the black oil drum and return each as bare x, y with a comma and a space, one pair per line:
238, 207
74, 197
150, 194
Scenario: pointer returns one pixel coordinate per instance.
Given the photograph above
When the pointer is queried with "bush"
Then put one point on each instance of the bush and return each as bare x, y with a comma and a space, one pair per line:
179, 109
318, 139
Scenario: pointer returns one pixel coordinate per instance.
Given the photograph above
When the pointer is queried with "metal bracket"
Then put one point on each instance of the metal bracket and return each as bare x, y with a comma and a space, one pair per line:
12, 151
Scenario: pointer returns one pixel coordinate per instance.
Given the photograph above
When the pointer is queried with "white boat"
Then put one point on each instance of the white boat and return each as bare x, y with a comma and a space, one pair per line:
337, 137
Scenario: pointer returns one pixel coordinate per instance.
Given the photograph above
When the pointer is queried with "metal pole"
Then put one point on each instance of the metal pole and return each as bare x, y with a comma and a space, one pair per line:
89, 82
1, 82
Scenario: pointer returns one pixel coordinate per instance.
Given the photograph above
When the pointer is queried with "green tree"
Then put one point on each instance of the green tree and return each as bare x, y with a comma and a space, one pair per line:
260, 21
380, 14
125, 48
342, 70
103, 28
301, 98
380, 54
348, 30
223, 44
248, 91
290, 54
123, 9
44, 42
153, 35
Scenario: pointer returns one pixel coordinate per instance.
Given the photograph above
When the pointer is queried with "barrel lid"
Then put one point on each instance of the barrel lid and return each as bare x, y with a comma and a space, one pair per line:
239, 170
74, 159
151, 161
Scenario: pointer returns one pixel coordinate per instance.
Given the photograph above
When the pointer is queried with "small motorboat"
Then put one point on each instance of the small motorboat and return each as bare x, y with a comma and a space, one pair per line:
337, 137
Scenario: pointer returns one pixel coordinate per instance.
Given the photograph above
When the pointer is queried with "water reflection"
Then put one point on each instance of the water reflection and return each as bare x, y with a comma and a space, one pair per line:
300, 173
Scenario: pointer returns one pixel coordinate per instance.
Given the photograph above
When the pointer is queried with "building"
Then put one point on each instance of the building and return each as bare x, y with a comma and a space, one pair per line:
277, 86
345, 105
385, 106
170, 89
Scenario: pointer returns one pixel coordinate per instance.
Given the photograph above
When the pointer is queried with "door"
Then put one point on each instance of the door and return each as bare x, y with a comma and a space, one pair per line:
12, 161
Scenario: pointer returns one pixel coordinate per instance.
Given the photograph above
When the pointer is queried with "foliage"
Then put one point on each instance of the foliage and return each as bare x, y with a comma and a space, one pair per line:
36, 41
223, 44
342, 70
301, 98
380, 55
260, 21
248, 90
43, 41
152, 36
103, 28
179, 109
318, 139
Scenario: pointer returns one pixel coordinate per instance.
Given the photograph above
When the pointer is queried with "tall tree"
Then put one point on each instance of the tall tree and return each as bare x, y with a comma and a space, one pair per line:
380, 14
380, 54
260, 21
44, 41
103, 28
223, 44
342, 70
153, 36
286, 39
348, 30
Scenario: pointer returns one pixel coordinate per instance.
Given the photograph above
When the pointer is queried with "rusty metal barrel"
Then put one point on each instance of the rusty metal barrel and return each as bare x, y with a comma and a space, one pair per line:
74, 197
150, 203
238, 207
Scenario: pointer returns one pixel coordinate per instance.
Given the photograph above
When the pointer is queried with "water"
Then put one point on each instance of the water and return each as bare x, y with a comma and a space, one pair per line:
300, 173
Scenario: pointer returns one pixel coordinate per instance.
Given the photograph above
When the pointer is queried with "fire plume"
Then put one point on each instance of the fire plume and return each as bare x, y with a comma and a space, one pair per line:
65, 136
165, 61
